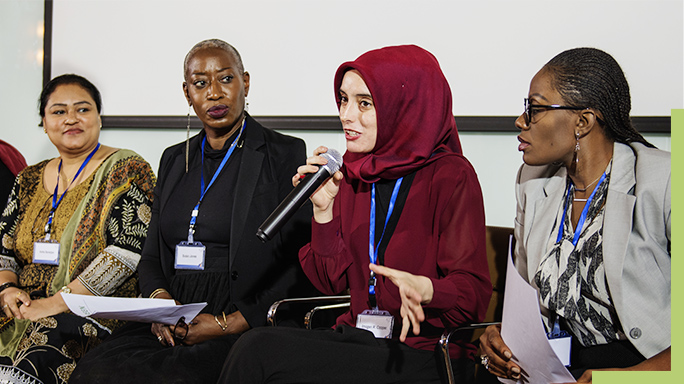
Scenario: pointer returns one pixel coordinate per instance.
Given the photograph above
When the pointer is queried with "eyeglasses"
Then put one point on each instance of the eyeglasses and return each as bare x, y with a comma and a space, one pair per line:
181, 329
531, 108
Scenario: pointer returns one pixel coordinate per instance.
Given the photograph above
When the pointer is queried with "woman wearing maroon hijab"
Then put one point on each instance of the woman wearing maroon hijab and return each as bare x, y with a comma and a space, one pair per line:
11, 163
411, 275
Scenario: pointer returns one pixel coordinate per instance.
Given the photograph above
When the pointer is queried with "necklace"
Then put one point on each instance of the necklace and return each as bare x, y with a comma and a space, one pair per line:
586, 186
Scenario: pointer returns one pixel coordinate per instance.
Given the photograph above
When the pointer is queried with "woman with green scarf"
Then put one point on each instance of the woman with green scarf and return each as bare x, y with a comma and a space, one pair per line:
73, 224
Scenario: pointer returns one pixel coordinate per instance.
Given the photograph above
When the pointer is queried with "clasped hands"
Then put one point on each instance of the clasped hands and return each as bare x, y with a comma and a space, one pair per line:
17, 303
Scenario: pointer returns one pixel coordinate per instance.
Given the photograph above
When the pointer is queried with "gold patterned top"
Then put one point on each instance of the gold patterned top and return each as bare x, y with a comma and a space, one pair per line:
101, 225
32, 228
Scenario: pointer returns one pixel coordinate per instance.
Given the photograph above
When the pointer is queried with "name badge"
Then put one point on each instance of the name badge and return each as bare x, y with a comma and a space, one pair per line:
378, 322
46, 252
560, 343
190, 255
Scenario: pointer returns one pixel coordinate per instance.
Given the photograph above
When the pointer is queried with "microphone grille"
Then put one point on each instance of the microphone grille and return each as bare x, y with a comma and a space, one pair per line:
334, 160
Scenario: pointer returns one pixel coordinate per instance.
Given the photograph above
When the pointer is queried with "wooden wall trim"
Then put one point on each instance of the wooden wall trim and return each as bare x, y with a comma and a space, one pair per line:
645, 124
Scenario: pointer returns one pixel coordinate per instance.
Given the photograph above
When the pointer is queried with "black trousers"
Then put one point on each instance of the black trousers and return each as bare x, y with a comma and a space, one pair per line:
344, 355
618, 354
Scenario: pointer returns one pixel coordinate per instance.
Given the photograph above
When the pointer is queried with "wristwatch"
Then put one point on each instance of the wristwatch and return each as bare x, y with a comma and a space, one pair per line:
65, 289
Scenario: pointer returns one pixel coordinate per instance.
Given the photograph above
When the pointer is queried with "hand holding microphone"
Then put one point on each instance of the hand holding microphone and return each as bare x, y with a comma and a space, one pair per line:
304, 189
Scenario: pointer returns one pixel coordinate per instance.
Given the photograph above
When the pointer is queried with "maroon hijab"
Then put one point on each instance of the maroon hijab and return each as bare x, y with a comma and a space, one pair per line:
11, 158
413, 107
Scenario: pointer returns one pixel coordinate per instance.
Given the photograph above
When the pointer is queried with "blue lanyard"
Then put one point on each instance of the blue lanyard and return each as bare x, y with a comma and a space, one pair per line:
55, 201
583, 216
203, 190
372, 248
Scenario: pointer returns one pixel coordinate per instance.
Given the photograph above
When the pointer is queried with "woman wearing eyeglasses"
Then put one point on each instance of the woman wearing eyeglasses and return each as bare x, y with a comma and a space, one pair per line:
593, 221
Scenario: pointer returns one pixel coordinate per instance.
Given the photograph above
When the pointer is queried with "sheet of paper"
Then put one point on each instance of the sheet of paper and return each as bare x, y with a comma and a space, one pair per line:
523, 331
131, 309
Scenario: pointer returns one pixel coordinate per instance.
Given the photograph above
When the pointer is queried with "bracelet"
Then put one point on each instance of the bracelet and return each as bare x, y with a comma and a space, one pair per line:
223, 327
8, 284
157, 291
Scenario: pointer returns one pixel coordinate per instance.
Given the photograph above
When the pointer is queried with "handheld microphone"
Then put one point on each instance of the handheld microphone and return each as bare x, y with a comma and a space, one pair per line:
306, 187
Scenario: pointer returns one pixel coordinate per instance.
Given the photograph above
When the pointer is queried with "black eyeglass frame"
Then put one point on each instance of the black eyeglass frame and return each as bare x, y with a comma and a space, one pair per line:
182, 325
528, 114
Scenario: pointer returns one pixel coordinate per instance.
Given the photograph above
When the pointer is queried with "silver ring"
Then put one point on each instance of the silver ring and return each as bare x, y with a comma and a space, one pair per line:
484, 359
160, 338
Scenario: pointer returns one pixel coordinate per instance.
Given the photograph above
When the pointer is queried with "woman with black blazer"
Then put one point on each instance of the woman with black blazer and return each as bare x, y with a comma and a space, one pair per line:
212, 194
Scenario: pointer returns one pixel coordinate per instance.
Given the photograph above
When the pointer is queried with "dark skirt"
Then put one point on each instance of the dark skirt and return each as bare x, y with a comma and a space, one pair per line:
132, 354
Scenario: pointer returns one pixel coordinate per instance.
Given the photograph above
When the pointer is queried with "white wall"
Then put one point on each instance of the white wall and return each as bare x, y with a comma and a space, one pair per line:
21, 77
489, 50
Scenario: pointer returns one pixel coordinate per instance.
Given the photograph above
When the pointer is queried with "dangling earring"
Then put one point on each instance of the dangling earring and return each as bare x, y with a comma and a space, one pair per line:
187, 140
246, 105
577, 147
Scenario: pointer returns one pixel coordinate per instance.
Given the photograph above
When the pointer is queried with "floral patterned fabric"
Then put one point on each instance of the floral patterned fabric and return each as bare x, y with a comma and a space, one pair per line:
101, 225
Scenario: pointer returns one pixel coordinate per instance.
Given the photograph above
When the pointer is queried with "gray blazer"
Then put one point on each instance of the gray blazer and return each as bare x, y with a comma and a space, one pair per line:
636, 236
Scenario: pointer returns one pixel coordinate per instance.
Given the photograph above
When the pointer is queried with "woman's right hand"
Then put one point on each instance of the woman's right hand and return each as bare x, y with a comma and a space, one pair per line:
10, 300
162, 331
324, 196
163, 334
498, 354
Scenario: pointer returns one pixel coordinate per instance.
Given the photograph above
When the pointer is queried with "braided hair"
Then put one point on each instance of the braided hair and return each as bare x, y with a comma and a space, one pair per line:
591, 78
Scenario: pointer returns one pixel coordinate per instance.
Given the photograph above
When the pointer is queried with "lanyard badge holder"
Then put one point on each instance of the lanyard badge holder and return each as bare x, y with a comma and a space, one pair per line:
46, 250
560, 342
379, 322
191, 254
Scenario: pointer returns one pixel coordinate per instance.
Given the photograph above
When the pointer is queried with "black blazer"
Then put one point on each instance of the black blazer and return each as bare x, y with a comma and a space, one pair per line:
261, 273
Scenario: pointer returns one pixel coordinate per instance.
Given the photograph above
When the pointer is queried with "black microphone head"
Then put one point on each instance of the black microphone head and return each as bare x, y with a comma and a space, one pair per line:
334, 160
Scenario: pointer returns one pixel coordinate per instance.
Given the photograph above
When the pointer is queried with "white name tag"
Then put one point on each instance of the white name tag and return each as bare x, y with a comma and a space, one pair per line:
561, 345
190, 255
46, 252
378, 322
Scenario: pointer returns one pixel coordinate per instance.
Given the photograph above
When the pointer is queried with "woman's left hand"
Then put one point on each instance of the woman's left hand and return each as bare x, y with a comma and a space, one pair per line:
38, 309
415, 290
204, 327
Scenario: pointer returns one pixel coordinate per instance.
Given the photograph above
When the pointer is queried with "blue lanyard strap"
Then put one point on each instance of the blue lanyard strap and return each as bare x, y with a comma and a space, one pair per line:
372, 248
203, 190
55, 201
583, 216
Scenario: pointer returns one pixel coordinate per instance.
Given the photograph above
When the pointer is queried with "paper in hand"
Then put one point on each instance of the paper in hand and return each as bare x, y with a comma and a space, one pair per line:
131, 309
523, 331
